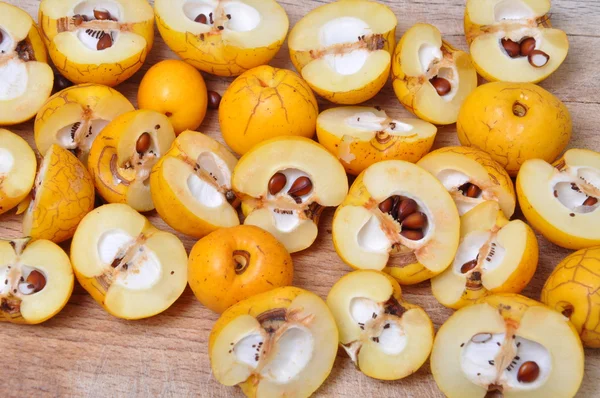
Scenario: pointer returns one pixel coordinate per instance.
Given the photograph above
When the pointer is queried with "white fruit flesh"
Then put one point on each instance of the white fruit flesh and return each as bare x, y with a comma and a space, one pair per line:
15, 182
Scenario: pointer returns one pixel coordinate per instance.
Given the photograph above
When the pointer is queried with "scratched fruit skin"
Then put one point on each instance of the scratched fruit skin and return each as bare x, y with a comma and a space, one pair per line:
108, 67
573, 289
16, 180
489, 120
64, 194
265, 103
218, 276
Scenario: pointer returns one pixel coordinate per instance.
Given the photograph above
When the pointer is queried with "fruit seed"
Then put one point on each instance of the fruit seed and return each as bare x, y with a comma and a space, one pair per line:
37, 279
441, 85
472, 191
538, 58
79, 19
512, 48
143, 143
1, 37
276, 183
201, 18
214, 99
101, 13
527, 46
300, 187
415, 221
468, 266
590, 201
406, 208
528, 372
104, 42
386, 205
411, 234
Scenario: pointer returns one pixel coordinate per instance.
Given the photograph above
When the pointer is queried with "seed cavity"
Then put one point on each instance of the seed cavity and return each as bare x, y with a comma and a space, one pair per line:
241, 259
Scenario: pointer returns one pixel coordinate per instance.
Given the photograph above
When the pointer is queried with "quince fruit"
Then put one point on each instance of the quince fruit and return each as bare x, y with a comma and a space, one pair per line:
17, 170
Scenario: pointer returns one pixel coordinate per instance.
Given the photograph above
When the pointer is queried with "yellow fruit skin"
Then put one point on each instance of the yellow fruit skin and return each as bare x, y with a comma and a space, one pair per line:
573, 289
67, 196
212, 269
486, 121
265, 103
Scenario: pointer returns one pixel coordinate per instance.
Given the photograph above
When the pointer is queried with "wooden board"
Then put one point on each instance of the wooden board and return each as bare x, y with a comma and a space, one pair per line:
83, 351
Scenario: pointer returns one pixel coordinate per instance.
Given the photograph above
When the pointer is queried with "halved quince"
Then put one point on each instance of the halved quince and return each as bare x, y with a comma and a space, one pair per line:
38, 280
431, 78
360, 136
284, 184
513, 40
191, 185
397, 218
343, 49
386, 337
26, 80
222, 37
495, 256
275, 344
62, 195
74, 117
17, 170
123, 154
132, 269
561, 200
97, 41
472, 177
510, 346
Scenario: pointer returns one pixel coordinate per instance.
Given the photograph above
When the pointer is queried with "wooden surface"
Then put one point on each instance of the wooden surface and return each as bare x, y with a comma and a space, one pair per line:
83, 351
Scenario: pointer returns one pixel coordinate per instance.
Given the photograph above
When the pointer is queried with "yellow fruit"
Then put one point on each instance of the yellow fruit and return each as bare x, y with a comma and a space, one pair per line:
17, 170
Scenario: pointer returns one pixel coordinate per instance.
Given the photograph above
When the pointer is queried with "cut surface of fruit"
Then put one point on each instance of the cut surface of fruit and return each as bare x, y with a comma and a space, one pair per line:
431, 78
97, 41
508, 345
191, 185
17, 170
127, 265
513, 41
222, 37
74, 117
284, 184
123, 154
397, 217
561, 201
38, 280
278, 343
472, 177
360, 136
63, 193
343, 49
26, 80
386, 337
495, 256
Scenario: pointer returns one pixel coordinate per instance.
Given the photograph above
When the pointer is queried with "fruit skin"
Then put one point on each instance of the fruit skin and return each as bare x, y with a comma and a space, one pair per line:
265, 103
27, 157
212, 269
573, 289
486, 121
177, 88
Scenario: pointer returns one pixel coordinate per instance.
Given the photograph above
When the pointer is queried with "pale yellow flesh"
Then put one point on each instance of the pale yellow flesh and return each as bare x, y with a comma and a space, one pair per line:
131, 11
482, 12
19, 180
125, 45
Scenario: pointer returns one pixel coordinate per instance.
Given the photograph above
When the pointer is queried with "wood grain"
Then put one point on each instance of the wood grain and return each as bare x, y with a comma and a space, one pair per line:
83, 351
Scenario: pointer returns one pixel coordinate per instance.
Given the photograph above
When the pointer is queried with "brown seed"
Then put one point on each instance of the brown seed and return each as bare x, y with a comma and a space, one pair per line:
386, 205
78, 19
214, 99
538, 58
590, 201
201, 18
37, 279
473, 191
1, 36
411, 234
528, 372
511, 47
104, 42
441, 85
101, 14
276, 183
468, 266
143, 143
415, 221
300, 187
406, 208
527, 46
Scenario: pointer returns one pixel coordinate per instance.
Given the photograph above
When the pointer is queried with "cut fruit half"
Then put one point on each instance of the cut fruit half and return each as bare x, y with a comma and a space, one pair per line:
284, 184
222, 37
191, 185
513, 41
561, 200
430, 77
26, 80
17, 170
360, 136
279, 343
472, 177
495, 256
343, 49
397, 218
510, 346
97, 41
132, 269
386, 337
74, 117
123, 154
63, 193
38, 280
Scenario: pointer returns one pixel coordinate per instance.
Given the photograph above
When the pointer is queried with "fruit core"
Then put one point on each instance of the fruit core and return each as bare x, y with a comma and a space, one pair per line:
465, 192
577, 188
478, 253
13, 70
7, 162
222, 15
97, 24
209, 180
78, 137
439, 67
138, 166
383, 128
